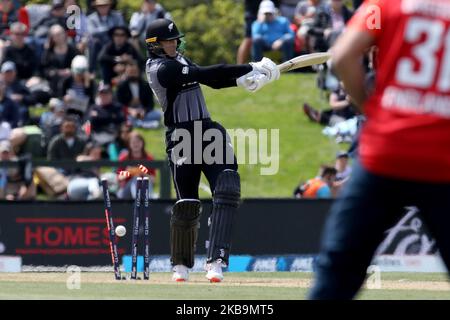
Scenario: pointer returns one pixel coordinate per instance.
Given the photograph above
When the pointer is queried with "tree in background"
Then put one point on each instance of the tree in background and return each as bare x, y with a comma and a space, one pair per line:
215, 27
215, 30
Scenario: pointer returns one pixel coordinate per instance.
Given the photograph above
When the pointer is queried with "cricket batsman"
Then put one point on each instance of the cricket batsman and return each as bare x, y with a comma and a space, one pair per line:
175, 81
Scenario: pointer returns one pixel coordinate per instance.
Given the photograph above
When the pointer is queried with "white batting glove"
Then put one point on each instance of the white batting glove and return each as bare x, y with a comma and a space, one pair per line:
247, 81
259, 81
268, 68
253, 81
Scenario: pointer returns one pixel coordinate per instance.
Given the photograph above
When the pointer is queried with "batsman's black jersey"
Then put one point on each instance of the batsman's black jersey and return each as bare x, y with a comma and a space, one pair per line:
176, 84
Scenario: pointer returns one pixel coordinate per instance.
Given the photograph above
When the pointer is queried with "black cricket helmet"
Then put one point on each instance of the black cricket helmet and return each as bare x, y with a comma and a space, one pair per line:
161, 29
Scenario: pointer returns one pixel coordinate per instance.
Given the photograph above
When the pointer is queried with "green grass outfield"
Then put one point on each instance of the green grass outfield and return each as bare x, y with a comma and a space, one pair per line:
240, 286
302, 146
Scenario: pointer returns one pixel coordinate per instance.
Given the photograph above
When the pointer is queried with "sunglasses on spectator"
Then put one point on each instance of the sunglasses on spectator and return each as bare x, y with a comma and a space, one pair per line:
119, 34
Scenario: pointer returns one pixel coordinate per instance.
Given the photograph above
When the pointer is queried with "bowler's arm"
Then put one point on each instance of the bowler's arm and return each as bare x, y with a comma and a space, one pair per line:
347, 57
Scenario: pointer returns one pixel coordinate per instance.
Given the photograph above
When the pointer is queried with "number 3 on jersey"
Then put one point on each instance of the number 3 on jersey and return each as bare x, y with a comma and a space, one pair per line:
426, 53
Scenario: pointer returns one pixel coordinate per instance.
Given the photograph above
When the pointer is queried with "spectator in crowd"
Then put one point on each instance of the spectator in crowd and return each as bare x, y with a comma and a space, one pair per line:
120, 144
9, 110
139, 21
10, 14
57, 57
310, 16
13, 85
303, 10
18, 92
271, 33
341, 109
250, 15
299, 47
320, 187
16, 183
51, 120
340, 15
105, 116
56, 16
329, 26
84, 184
41, 30
99, 24
135, 151
36, 12
78, 90
342, 166
319, 31
116, 54
137, 97
66, 145
21, 53
287, 8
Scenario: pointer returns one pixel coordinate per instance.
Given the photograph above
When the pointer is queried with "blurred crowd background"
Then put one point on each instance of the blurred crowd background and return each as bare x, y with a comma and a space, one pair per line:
73, 86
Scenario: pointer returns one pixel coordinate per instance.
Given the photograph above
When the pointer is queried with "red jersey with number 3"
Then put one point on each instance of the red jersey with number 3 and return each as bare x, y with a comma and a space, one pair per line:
407, 133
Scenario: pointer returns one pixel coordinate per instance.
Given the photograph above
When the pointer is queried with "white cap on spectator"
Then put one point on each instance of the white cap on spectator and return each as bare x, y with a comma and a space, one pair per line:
8, 66
56, 104
267, 6
5, 146
79, 64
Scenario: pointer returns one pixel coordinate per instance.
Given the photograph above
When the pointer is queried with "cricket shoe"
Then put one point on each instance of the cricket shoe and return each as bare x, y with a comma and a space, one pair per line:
180, 273
214, 273
312, 113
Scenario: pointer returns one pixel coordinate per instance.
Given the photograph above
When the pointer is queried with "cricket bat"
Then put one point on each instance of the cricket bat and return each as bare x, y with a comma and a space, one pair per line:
305, 60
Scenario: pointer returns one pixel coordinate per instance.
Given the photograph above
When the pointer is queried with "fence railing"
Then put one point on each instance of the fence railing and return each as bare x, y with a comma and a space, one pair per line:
161, 166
